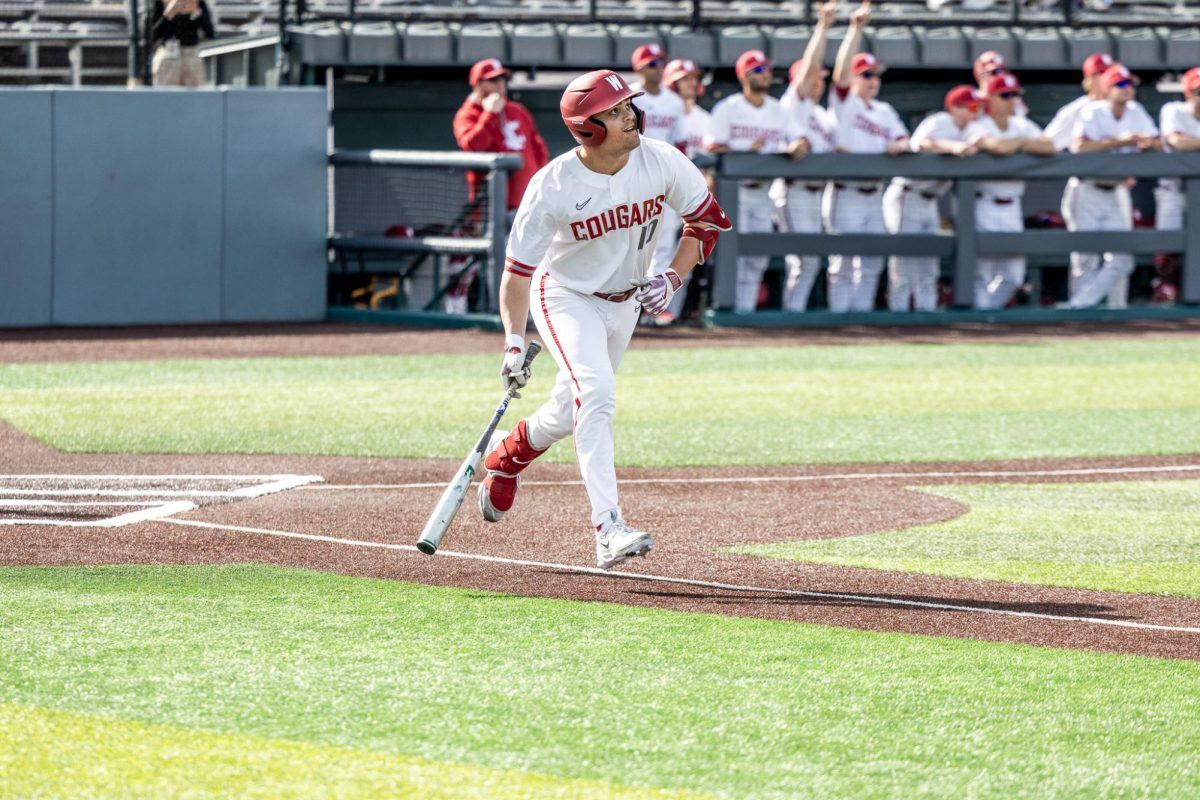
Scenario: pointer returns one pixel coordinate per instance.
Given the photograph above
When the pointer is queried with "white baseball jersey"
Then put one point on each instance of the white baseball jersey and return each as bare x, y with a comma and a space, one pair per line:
695, 126
1177, 117
738, 124
1097, 122
863, 128
939, 127
817, 123
663, 113
1018, 128
1061, 129
595, 232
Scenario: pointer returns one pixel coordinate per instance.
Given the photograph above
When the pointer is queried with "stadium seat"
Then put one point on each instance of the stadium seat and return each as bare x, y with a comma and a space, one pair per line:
944, 47
1138, 48
895, 46
479, 40
1041, 48
429, 43
587, 45
535, 43
374, 43
700, 46
733, 40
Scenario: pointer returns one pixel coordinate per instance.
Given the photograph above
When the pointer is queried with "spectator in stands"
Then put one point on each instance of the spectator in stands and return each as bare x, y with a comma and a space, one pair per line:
1114, 125
1180, 125
911, 206
753, 122
175, 28
865, 124
1061, 131
798, 203
488, 122
998, 203
682, 76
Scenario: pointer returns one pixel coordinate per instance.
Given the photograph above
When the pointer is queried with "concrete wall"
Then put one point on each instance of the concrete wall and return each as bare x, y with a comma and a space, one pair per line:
134, 207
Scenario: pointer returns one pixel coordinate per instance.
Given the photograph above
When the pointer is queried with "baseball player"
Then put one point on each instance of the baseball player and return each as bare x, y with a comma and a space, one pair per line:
579, 259
798, 203
993, 63
682, 76
753, 121
1112, 125
1061, 131
911, 206
1180, 125
865, 124
663, 110
998, 203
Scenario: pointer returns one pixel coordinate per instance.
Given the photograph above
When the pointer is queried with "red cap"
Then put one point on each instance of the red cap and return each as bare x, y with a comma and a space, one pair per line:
963, 96
1004, 82
991, 61
865, 62
486, 70
750, 60
1096, 63
647, 54
1191, 81
1115, 74
679, 68
798, 65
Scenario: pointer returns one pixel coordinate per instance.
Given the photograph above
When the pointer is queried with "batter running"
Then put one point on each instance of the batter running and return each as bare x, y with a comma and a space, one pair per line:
579, 258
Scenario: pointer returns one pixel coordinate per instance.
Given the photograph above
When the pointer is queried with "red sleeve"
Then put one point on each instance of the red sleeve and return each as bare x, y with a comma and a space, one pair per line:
476, 130
537, 145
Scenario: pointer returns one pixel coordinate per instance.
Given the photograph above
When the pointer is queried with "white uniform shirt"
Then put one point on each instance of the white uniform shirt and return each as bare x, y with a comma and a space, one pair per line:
863, 128
818, 125
1018, 128
1097, 122
1061, 129
940, 127
738, 124
695, 126
1177, 117
595, 232
663, 113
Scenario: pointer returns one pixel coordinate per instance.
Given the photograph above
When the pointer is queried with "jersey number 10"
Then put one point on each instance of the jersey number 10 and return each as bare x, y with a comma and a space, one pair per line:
648, 233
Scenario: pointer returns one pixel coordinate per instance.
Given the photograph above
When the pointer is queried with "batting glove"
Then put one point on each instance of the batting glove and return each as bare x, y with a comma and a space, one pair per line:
656, 295
513, 371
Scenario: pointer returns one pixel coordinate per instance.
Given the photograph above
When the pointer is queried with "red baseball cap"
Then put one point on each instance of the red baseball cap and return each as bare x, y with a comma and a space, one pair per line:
963, 96
1191, 80
749, 61
991, 61
679, 68
647, 54
798, 65
1115, 74
1004, 82
1096, 63
486, 70
865, 62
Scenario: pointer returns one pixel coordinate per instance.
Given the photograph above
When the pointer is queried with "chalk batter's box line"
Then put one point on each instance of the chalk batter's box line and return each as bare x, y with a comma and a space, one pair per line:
149, 512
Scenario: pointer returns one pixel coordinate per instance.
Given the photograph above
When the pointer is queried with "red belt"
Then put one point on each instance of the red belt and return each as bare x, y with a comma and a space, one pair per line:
616, 297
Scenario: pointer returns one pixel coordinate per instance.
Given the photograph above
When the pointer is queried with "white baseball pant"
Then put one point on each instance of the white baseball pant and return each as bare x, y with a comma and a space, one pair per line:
587, 337
755, 215
1168, 208
1097, 276
798, 210
997, 278
915, 277
853, 280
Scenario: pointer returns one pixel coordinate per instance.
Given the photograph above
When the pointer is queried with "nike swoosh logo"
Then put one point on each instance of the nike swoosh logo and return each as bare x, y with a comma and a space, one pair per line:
579, 206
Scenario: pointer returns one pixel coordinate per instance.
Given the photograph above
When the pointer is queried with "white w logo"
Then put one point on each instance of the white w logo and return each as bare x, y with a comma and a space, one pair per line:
615, 82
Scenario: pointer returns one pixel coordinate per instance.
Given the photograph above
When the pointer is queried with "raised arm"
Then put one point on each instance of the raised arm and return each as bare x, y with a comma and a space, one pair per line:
849, 48
814, 53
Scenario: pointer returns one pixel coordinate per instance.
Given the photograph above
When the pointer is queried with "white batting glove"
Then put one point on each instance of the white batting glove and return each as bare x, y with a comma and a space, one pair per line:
513, 371
656, 295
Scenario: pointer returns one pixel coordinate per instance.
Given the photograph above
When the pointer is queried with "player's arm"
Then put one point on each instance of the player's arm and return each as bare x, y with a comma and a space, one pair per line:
1182, 142
478, 135
701, 227
1038, 146
532, 231
849, 48
814, 53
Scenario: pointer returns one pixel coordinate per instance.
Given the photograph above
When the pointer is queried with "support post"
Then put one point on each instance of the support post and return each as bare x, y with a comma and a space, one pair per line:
965, 255
724, 275
1189, 279
497, 231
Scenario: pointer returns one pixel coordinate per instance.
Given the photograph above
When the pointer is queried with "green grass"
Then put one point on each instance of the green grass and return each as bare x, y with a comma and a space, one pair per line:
1123, 537
396, 677
675, 407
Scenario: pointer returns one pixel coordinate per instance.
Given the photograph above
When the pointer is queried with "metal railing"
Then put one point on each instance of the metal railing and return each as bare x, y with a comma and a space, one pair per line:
965, 243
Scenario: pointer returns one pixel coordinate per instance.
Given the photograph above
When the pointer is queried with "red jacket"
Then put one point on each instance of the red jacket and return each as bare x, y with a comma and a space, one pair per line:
482, 131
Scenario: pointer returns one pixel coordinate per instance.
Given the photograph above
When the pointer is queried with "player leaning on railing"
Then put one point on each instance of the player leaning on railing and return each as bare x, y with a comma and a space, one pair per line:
579, 256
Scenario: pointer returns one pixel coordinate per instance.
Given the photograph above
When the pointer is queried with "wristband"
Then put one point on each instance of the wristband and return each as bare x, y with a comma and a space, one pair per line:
514, 340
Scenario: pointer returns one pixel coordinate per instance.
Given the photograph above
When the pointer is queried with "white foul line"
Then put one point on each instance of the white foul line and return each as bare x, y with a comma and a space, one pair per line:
833, 476
156, 511
408, 548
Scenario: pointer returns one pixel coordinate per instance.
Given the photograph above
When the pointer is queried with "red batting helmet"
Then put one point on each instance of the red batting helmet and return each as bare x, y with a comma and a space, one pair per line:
587, 96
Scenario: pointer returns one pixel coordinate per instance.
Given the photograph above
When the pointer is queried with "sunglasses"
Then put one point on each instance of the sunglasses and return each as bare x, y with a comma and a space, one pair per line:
1008, 95
759, 69
869, 75
1123, 84
656, 63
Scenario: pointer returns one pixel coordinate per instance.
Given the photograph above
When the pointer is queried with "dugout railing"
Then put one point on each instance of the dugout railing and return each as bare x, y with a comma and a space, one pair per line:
408, 215
964, 244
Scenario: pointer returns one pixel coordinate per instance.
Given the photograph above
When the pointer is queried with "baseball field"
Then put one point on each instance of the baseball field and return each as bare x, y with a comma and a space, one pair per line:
961, 563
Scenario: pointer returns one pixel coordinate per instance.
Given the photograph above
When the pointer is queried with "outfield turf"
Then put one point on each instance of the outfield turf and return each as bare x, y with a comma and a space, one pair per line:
1124, 537
760, 405
228, 680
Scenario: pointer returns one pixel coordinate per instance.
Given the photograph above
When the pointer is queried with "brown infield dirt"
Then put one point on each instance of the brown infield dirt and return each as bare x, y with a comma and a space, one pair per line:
690, 519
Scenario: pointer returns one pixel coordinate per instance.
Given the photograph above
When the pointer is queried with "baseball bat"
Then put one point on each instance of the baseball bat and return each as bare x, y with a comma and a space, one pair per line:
452, 498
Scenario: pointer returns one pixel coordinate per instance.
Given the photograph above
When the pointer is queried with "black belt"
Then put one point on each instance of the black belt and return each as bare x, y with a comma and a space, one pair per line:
926, 195
1000, 201
616, 297
1105, 187
872, 189
812, 187
753, 184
